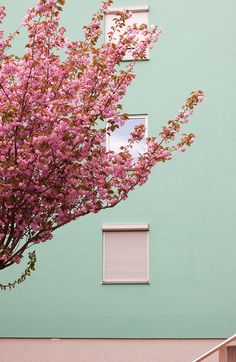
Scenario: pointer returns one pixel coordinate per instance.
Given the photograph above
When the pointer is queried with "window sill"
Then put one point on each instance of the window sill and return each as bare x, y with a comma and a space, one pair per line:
138, 60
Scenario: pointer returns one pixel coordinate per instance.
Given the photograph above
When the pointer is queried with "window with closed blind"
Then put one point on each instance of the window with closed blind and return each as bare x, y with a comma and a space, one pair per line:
125, 254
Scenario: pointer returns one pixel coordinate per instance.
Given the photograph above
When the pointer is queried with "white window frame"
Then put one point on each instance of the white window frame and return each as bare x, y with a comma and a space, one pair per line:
131, 116
121, 228
133, 9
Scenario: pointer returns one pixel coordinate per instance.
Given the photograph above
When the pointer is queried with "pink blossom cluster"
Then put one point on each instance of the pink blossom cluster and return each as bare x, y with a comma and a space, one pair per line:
54, 165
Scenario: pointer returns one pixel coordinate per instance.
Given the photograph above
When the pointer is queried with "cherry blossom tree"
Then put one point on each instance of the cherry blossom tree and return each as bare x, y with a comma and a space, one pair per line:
55, 113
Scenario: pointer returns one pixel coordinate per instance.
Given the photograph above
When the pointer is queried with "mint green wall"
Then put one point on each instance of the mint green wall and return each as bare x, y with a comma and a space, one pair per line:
189, 202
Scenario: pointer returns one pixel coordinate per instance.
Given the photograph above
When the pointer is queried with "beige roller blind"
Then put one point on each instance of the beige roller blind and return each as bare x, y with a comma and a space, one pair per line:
125, 256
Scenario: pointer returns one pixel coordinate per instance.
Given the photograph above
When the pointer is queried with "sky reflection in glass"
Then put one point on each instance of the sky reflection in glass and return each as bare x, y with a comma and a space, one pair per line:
120, 137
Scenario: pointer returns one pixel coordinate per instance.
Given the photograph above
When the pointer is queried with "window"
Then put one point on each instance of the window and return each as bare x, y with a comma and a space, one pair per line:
125, 254
139, 16
120, 136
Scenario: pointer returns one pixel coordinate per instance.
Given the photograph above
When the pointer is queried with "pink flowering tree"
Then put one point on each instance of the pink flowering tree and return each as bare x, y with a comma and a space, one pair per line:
55, 113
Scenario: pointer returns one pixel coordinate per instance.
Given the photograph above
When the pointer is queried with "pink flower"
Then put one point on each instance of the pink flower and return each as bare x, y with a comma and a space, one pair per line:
183, 136
17, 259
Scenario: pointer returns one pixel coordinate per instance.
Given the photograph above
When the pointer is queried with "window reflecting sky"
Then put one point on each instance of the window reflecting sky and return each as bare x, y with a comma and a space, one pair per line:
120, 137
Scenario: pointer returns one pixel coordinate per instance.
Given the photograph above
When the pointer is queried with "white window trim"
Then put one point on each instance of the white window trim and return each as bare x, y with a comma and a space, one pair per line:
134, 9
124, 227
131, 116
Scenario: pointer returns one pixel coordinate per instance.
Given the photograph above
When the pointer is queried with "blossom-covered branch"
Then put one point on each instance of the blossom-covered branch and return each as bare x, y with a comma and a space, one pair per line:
55, 113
